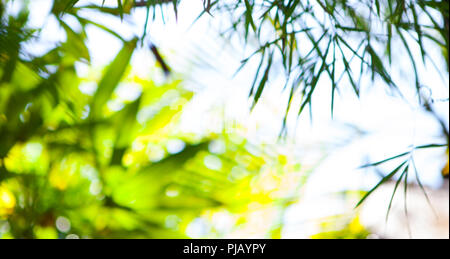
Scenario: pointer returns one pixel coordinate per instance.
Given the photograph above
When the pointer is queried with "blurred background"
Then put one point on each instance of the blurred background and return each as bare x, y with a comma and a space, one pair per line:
133, 122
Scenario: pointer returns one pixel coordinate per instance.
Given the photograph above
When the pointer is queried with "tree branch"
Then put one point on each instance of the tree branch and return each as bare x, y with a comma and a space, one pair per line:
143, 3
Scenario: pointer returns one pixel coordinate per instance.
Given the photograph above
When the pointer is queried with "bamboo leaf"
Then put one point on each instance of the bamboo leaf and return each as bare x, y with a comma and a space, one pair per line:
111, 78
386, 178
405, 171
263, 81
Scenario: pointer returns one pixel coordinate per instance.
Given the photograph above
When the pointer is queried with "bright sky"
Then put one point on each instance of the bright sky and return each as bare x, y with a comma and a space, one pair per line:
392, 124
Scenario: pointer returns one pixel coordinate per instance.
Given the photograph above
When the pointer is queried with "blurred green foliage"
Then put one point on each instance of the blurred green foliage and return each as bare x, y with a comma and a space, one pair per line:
95, 165
74, 164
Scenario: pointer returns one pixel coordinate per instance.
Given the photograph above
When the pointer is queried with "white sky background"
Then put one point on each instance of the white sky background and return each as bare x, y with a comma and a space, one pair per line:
393, 125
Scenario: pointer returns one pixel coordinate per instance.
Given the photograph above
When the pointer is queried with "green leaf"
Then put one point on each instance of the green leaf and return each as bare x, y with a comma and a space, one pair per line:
75, 44
405, 171
386, 178
263, 81
120, 7
431, 146
111, 78
125, 135
385, 160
